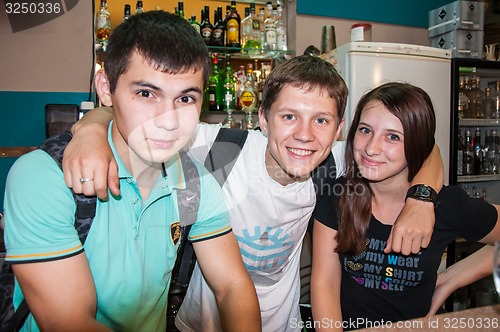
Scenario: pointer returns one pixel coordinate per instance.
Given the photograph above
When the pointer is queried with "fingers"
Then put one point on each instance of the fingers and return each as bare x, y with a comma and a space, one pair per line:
389, 246
100, 185
113, 182
406, 241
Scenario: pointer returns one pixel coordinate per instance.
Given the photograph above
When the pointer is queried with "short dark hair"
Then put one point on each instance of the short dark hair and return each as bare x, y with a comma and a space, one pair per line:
308, 72
166, 40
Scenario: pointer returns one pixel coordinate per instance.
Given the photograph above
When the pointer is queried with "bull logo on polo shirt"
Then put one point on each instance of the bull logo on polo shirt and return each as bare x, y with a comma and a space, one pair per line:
175, 232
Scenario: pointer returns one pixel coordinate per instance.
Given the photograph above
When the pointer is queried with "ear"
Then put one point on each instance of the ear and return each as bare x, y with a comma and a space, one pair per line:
102, 88
339, 129
262, 121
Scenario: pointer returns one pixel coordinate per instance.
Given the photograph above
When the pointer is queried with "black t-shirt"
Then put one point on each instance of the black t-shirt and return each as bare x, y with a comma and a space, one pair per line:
393, 287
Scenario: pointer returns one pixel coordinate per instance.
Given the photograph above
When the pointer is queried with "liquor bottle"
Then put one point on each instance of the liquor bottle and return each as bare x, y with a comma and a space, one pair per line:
262, 19
102, 23
496, 163
495, 96
138, 7
256, 32
180, 9
468, 161
478, 153
240, 85
281, 33
207, 27
491, 150
246, 29
219, 29
460, 154
270, 28
463, 99
269, 9
228, 86
126, 12
233, 22
215, 86
488, 104
249, 96
476, 96
195, 24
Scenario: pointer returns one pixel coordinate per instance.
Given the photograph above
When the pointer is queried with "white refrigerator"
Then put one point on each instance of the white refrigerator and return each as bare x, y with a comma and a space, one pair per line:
365, 65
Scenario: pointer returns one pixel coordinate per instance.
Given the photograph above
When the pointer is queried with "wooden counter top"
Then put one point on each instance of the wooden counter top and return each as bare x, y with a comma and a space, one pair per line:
477, 319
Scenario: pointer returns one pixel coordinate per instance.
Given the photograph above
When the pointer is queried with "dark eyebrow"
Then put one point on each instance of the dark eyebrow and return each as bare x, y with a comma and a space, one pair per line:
156, 88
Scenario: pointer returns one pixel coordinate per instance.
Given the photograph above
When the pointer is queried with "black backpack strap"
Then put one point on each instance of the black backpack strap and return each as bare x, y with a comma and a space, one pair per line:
323, 178
224, 152
84, 215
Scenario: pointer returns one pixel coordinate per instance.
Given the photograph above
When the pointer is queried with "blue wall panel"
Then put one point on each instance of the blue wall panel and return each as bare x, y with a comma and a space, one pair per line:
22, 116
407, 12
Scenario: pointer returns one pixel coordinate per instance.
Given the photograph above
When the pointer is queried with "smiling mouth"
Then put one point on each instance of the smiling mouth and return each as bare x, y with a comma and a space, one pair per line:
164, 144
300, 152
369, 162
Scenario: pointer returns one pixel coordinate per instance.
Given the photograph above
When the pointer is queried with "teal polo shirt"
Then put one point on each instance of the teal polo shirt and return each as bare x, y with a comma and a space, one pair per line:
129, 247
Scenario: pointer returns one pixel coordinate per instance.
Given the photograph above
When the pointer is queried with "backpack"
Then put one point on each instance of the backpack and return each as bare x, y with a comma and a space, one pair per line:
85, 212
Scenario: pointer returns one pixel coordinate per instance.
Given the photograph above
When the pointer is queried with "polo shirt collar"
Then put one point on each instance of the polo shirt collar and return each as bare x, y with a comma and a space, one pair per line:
173, 167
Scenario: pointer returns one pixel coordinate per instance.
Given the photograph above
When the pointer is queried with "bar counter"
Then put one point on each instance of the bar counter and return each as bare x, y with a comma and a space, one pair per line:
476, 319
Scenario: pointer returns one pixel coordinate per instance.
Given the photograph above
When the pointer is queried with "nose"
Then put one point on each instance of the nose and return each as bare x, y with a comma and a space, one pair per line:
304, 132
167, 118
373, 146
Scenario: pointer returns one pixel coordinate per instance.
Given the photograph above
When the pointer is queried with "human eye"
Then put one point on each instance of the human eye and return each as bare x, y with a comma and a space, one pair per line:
393, 137
364, 130
145, 93
288, 117
187, 100
322, 121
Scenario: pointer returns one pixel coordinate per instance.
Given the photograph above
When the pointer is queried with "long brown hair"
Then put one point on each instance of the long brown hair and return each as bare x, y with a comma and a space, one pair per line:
413, 107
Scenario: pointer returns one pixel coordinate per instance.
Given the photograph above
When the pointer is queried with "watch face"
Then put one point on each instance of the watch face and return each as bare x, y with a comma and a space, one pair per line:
423, 191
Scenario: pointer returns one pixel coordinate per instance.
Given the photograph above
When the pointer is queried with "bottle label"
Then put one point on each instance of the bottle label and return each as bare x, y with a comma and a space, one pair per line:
247, 99
233, 31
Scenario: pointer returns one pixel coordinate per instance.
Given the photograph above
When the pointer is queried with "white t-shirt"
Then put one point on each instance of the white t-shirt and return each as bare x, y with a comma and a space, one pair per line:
269, 221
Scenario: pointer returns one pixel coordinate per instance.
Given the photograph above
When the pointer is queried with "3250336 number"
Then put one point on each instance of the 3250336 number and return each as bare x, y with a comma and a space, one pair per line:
32, 8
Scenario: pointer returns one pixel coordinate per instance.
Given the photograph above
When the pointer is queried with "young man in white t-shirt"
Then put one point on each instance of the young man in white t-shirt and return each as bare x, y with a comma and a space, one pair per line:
269, 192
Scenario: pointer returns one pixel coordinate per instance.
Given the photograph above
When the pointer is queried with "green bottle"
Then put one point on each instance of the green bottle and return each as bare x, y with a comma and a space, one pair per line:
215, 86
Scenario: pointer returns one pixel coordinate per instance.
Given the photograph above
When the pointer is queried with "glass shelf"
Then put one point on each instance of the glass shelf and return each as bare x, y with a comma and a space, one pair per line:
478, 178
255, 53
478, 122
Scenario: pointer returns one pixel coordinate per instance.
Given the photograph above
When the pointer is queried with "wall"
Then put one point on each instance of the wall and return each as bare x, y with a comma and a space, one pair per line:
47, 63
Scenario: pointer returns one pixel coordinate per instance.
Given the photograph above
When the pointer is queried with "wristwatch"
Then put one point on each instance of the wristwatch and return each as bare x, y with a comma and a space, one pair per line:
424, 193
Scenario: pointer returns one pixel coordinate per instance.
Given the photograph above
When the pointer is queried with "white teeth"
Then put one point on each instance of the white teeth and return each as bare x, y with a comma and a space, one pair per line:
300, 152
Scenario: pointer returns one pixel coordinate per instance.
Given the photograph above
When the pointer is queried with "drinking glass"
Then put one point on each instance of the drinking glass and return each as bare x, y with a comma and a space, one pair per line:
496, 266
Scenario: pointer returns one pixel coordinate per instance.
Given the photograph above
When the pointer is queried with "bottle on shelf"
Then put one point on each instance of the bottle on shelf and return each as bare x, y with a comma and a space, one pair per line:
490, 148
262, 19
463, 100
269, 9
233, 22
228, 87
215, 86
218, 32
240, 85
270, 30
281, 33
102, 23
468, 160
246, 28
488, 104
476, 97
478, 153
126, 12
195, 24
206, 26
495, 96
460, 154
180, 9
139, 7
249, 96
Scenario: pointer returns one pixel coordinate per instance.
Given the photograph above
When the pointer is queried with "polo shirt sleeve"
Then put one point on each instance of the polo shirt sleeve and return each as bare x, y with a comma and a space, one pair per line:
213, 218
39, 211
